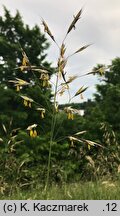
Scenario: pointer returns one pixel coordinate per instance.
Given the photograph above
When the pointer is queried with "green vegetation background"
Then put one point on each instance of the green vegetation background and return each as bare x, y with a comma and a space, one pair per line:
23, 160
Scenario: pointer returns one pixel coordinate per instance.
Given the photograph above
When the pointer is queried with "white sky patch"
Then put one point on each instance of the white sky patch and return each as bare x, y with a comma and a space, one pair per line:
100, 25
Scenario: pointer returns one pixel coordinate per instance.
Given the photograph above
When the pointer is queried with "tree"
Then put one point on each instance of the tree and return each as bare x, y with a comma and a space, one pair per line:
15, 36
108, 95
106, 101
16, 41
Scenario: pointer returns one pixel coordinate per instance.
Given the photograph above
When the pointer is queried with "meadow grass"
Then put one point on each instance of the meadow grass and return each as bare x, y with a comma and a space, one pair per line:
71, 191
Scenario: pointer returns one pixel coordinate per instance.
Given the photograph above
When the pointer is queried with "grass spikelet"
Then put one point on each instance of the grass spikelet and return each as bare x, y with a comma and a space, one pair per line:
72, 78
41, 70
47, 30
76, 18
91, 143
24, 68
31, 127
61, 65
100, 71
79, 133
81, 90
62, 50
25, 60
82, 48
63, 89
18, 83
26, 98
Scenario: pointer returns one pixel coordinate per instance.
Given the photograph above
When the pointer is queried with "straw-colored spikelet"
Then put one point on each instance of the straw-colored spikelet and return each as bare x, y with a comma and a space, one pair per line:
41, 111
62, 50
27, 101
47, 30
19, 83
76, 18
70, 111
32, 130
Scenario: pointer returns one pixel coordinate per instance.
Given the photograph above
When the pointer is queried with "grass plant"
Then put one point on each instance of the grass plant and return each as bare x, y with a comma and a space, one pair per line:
61, 85
101, 190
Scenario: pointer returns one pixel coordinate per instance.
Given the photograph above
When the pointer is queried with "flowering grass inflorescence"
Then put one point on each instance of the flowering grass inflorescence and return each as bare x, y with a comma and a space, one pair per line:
61, 85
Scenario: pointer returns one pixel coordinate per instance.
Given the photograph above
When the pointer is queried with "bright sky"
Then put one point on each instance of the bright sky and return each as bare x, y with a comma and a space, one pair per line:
99, 25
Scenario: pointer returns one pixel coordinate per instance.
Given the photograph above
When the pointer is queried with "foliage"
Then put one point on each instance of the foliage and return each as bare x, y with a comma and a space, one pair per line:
40, 139
13, 33
106, 102
101, 190
104, 109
